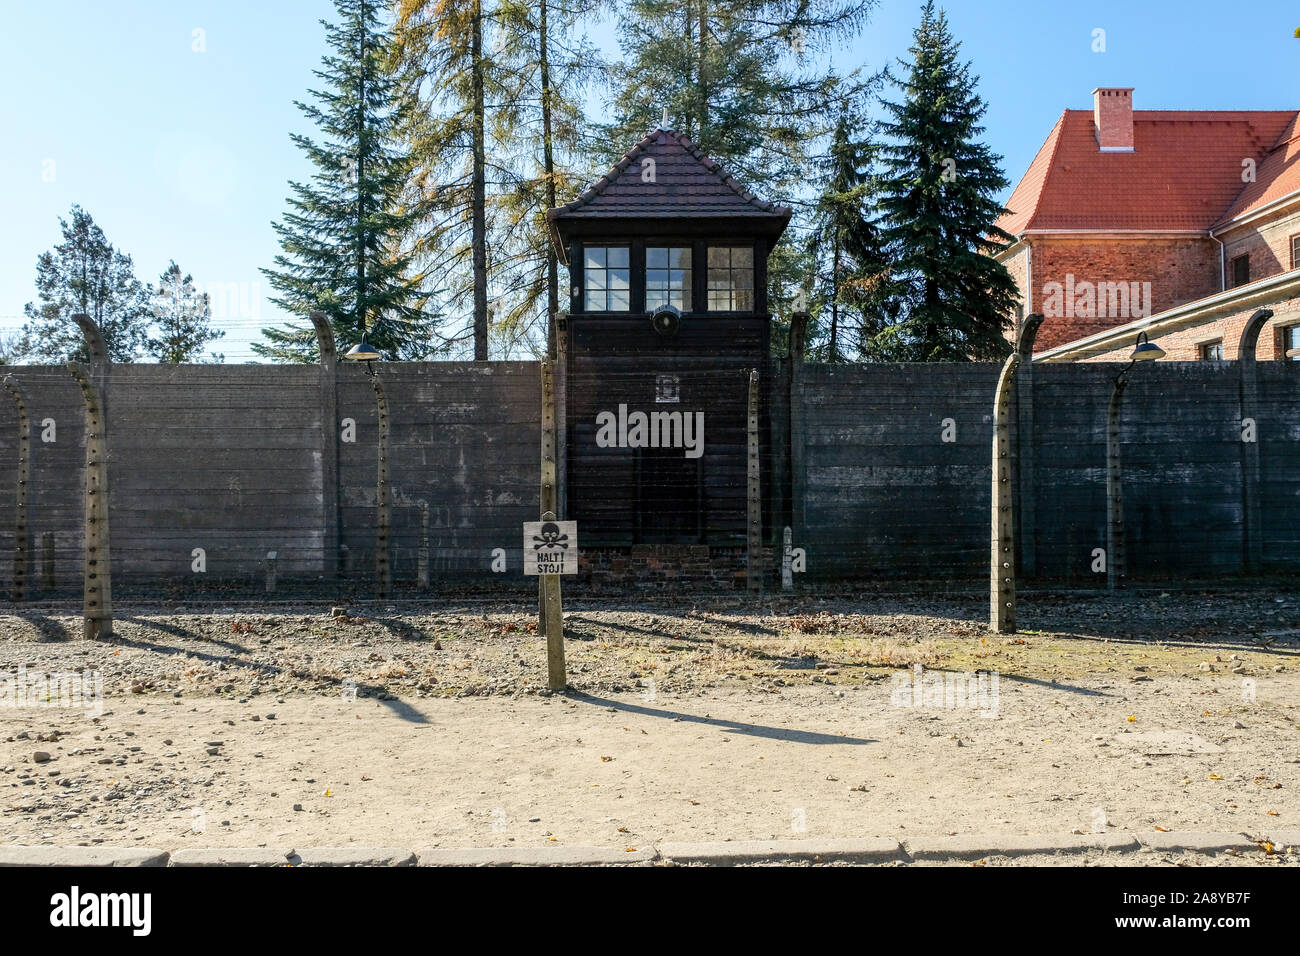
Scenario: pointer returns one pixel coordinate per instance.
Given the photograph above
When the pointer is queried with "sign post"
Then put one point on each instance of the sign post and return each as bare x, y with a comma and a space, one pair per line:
551, 549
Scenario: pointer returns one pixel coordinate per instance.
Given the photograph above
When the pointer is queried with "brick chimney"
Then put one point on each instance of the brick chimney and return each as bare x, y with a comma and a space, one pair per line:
1112, 114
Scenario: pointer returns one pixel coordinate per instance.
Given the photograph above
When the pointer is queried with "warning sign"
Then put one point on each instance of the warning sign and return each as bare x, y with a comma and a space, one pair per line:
550, 547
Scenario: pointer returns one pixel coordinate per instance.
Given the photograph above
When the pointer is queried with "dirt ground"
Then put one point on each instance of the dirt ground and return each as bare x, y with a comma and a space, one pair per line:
429, 725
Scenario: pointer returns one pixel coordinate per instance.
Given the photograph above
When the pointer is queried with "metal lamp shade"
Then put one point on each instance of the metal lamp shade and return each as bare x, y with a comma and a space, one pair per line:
362, 352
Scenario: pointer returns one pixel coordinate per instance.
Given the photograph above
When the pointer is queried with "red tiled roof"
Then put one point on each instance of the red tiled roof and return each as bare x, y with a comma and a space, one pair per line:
1183, 174
686, 183
1277, 175
1024, 199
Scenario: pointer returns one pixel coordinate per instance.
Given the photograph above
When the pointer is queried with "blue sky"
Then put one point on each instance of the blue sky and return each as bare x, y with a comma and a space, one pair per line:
184, 154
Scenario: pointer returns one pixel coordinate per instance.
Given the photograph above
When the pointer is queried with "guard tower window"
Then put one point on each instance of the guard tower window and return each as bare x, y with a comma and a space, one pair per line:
731, 279
667, 277
607, 276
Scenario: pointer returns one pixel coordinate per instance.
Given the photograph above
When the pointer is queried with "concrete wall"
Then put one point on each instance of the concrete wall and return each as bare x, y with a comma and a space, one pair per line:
242, 460
237, 460
884, 495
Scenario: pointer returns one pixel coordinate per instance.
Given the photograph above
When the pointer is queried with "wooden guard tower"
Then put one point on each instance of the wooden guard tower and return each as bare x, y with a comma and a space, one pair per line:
668, 316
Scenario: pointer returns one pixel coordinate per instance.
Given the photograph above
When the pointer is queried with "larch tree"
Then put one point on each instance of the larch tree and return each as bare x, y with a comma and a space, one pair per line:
545, 62
440, 55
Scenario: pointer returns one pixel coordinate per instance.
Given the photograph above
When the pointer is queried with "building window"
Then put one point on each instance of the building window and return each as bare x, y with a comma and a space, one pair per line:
1291, 341
1240, 270
668, 277
607, 277
731, 279
1211, 351
1295, 252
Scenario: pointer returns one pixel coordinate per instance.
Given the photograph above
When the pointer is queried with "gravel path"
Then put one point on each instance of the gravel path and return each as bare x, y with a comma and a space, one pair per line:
398, 725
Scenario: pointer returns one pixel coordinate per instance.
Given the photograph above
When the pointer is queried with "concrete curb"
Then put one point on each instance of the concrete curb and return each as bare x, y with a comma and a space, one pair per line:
719, 853
309, 856
978, 846
1281, 839
535, 856
733, 852
1199, 842
81, 856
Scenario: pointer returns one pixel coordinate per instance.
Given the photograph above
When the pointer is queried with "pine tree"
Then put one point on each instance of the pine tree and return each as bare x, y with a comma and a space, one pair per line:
850, 303
11, 352
343, 237
183, 317
739, 77
85, 274
938, 191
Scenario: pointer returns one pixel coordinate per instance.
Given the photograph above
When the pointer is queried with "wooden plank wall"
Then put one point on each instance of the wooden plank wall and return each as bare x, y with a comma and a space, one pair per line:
613, 362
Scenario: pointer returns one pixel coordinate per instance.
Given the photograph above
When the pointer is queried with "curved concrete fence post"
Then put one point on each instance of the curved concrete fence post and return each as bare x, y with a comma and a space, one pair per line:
324, 339
98, 602
94, 343
1002, 557
22, 548
331, 506
1252, 549
383, 497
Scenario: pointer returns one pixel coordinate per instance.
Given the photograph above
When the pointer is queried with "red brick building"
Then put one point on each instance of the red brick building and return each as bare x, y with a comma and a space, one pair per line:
1177, 223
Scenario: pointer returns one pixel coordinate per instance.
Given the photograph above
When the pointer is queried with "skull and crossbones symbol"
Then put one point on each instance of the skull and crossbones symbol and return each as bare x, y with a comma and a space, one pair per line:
550, 538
